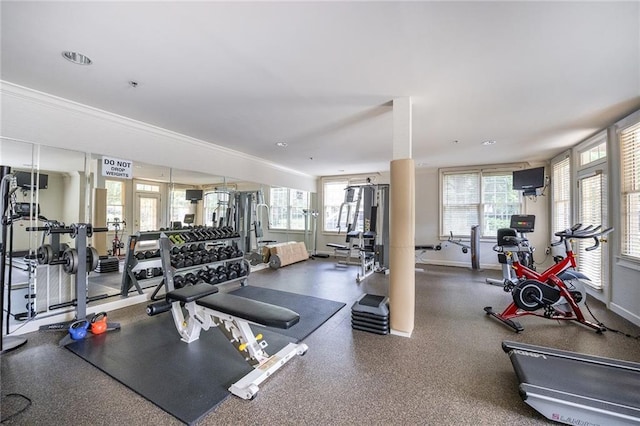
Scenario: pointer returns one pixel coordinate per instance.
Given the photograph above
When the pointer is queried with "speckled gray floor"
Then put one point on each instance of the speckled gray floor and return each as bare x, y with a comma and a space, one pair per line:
451, 371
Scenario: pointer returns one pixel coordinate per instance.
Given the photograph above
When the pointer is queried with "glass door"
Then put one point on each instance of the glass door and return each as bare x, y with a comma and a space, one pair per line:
147, 212
592, 209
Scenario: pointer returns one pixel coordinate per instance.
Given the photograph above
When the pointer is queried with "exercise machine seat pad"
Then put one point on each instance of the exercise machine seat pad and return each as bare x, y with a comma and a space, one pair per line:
251, 310
338, 246
191, 292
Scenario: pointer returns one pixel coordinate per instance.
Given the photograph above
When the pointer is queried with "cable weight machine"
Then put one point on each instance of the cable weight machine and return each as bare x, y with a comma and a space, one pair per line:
7, 343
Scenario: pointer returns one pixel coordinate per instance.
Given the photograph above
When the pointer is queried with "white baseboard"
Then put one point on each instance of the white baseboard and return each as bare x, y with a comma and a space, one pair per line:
624, 313
399, 333
458, 264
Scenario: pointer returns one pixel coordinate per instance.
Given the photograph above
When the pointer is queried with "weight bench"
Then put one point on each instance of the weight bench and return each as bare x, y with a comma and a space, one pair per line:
232, 314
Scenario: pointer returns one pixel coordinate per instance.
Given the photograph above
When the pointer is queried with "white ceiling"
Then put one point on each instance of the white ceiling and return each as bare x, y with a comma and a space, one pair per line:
536, 77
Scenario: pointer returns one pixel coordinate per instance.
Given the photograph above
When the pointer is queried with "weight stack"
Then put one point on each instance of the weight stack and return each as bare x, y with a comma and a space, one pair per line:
108, 264
371, 313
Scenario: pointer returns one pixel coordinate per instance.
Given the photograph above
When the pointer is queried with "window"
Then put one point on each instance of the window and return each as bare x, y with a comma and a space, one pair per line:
286, 209
474, 197
561, 193
180, 206
630, 188
145, 187
333, 194
499, 202
594, 153
215, 203
115, 200
340, 205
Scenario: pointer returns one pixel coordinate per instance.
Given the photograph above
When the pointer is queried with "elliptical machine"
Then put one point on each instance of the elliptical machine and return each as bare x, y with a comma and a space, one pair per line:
520, 247
558, 291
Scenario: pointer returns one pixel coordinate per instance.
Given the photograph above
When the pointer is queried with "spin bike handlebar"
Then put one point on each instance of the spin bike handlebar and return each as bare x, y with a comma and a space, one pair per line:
578, 231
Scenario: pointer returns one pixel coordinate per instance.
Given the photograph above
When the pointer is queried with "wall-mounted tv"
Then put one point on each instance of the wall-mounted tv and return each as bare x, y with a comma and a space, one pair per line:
23, 179
193, 195
528, 179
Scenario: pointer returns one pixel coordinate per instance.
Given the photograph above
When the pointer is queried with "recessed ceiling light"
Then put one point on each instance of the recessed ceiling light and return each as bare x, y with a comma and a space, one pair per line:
487, 143
77, 58
282, 144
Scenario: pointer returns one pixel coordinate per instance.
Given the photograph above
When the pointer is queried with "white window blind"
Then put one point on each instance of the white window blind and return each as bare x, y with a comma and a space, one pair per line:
630, 160
477, 197
460, 202
592, 194
561, 194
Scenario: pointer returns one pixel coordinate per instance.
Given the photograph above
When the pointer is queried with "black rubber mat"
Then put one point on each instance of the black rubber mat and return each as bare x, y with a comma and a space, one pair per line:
185, 380
313, 311
190, 380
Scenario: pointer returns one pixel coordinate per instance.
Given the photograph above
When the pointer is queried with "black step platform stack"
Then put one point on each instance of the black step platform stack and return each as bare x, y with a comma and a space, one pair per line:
108, 264
371, 313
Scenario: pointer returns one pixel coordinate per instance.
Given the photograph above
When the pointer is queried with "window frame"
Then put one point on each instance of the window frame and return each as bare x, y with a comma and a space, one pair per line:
290, 209
565, 157
173, 209
122, 204
498, 170
626, 235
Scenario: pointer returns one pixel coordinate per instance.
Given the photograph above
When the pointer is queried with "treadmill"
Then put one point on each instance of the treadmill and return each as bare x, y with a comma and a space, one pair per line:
577, 389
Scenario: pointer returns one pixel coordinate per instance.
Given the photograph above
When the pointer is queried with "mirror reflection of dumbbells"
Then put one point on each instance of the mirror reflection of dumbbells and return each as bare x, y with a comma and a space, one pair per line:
203, 234
143, 274
197, 254
147, 254
212, 275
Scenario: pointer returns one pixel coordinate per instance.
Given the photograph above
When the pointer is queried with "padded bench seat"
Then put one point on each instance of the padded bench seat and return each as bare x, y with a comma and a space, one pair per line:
191, 292
250, 310
338, 246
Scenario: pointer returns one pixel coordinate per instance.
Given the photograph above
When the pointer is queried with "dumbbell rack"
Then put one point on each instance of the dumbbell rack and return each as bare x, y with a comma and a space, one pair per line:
171, 272
133, 264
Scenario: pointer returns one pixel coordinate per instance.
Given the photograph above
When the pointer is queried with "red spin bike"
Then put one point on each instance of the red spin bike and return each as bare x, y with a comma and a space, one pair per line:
556, 291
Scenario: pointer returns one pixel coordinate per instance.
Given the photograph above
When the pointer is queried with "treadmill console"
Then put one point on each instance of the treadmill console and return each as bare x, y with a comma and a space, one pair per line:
523, 223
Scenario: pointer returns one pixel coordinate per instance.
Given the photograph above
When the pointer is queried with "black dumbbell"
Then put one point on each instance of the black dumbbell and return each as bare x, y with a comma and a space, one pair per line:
191, 278
178, 281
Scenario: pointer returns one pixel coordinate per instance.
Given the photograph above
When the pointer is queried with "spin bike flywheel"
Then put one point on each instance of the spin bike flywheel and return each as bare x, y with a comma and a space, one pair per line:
531, 295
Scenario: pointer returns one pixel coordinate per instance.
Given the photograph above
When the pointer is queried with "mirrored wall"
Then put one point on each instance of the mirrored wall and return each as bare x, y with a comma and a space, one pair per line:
58, 187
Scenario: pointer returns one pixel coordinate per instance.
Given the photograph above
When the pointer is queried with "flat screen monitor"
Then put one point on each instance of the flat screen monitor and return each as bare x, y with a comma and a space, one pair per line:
193, 194
528, 179
189, 218
23, 180
523, 222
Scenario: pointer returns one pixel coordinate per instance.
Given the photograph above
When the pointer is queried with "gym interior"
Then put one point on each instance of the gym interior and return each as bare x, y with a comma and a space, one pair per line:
258, 213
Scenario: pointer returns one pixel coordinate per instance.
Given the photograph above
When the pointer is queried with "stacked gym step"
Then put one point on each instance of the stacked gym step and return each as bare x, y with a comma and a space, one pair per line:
108, 264
371, 313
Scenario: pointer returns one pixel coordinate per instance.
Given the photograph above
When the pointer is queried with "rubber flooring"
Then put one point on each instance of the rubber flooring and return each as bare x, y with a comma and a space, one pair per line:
450, 371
